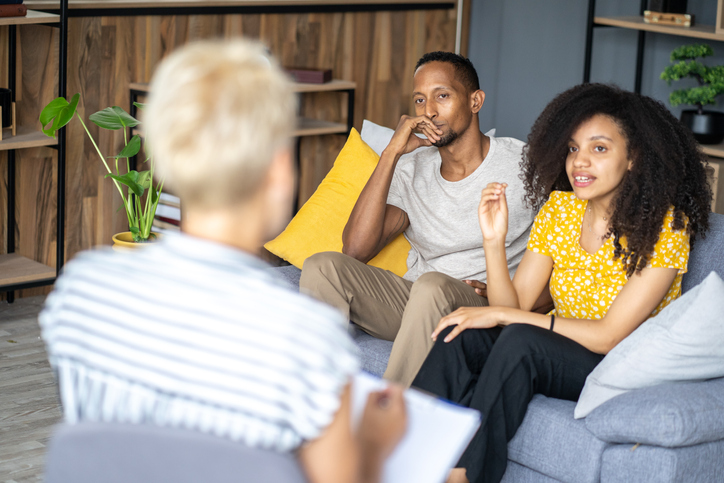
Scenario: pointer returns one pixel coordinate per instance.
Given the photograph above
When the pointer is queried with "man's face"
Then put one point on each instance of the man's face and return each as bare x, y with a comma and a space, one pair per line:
438, 95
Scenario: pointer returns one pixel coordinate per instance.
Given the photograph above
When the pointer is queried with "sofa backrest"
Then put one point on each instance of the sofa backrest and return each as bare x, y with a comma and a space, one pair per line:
122, 453
707, 255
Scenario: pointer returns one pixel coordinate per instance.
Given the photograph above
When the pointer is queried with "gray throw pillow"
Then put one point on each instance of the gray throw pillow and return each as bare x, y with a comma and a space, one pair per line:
668, 415
682, 343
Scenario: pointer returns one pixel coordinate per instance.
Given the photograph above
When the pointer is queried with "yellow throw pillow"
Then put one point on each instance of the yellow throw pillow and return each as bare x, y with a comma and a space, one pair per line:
318, 225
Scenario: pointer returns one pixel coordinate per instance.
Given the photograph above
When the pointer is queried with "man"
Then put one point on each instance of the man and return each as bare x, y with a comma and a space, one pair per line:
429, 189
195, 332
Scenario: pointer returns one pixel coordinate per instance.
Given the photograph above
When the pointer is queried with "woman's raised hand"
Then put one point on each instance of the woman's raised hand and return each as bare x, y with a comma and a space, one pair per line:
493, 212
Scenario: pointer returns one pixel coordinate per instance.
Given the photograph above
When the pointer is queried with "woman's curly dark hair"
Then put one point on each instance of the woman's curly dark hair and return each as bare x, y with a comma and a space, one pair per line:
668, 167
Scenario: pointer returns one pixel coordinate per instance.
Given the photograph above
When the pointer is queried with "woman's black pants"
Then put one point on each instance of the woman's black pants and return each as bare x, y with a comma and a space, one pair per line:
497, 371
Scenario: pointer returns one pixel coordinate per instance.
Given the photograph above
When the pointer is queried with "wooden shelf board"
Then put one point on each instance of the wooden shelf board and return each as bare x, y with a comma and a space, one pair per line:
305, 127
25, 138
31, 18
314, 127
637, 23
333, 85
15, 269
96, 4
716, 150
139, 86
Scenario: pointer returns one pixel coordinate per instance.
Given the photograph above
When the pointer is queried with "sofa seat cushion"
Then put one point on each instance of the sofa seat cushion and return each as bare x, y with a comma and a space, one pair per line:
651, 464
516, 473
669, 415
538, 444
290, 274
374, 353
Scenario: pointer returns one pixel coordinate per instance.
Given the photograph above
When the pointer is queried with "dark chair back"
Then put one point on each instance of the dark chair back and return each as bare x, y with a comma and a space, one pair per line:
123, 453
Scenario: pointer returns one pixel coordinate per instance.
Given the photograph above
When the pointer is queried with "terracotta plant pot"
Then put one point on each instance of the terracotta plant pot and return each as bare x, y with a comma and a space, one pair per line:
124, 241
708, 128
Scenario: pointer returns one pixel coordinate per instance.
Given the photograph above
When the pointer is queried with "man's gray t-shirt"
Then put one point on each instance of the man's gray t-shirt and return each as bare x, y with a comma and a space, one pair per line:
444, 230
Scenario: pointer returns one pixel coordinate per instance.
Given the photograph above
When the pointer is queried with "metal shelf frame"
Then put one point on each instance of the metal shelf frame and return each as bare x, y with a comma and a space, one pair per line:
640, 44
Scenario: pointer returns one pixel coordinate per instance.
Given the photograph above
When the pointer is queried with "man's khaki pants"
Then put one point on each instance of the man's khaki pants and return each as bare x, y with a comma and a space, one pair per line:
387, 306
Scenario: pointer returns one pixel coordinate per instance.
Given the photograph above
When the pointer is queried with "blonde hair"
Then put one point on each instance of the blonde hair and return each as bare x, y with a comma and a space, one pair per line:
217, 113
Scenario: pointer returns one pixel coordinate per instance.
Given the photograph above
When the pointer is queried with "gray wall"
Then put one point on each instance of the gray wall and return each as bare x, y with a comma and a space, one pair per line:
527, 51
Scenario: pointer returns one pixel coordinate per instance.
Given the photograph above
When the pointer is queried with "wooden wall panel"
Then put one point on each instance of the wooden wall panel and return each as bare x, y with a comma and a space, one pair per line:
378, 50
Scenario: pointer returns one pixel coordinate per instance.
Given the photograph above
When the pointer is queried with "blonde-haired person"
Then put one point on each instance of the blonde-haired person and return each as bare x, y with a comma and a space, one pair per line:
195, 332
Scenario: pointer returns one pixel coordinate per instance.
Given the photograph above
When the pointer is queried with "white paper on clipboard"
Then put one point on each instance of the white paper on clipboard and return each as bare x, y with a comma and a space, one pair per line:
437, 433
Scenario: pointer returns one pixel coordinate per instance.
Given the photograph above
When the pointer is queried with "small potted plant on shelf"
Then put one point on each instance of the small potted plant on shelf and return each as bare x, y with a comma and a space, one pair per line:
707, 126
140, 209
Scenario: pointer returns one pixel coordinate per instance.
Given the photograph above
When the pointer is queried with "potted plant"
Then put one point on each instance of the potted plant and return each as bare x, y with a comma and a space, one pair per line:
707, 126
140, 209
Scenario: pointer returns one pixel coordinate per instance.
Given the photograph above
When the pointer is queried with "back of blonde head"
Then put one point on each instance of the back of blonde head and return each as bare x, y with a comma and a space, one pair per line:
218, 111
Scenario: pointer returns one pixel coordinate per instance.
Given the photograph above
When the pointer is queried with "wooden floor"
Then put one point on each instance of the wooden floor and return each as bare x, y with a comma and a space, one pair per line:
28, 393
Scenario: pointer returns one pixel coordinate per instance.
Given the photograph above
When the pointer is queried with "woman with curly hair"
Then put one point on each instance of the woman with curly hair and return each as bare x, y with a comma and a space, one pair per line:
622, 193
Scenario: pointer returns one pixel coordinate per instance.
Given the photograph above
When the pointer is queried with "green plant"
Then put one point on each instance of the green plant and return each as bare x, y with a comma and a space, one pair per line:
139, 210
710, 79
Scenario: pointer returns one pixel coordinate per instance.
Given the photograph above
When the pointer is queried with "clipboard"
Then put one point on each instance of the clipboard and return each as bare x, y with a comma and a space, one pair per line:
437, 433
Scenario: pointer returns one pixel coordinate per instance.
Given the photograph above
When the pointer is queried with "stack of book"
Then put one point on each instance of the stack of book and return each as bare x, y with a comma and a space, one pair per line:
13, 8
168, 214
309, 76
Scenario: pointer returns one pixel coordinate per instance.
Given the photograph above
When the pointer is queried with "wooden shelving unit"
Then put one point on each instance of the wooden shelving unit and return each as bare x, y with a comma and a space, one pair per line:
716, 150
716, 161
18, 272
315, 127
130, 4
16, 269
333, 85
706, 32
305, 126
33, 17
26, 138
637, 23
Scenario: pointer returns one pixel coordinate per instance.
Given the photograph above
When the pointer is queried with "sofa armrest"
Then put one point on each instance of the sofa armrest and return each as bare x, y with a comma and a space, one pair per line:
668, 415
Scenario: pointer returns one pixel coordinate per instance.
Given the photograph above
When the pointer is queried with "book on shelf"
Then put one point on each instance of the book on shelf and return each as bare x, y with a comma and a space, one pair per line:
672, 19
169, 221
310, 76
170, 200
162, 226
168, 213
13, 10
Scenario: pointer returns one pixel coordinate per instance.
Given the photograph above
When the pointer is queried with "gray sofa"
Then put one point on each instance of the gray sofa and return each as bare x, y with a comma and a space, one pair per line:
666, 433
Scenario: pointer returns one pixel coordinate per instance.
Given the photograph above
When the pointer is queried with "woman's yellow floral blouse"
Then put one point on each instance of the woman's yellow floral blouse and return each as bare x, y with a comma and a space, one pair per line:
584, 285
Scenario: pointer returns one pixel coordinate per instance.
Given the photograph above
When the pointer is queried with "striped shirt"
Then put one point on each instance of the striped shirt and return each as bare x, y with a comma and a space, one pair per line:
193, 334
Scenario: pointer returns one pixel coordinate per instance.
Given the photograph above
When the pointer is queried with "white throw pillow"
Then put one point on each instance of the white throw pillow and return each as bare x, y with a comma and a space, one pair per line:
378, 137
682, 343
